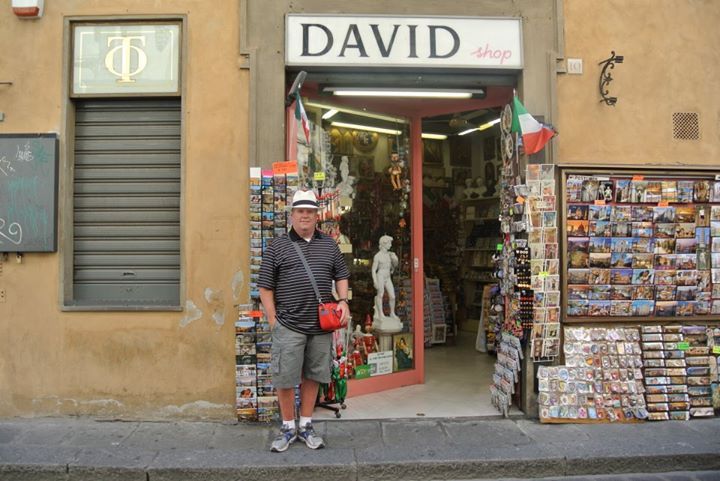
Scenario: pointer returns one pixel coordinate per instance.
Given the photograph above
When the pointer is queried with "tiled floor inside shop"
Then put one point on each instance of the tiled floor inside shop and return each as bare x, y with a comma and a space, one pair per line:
457, 380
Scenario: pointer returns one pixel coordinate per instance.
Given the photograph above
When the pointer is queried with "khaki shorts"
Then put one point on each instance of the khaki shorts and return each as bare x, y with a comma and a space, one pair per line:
296, 356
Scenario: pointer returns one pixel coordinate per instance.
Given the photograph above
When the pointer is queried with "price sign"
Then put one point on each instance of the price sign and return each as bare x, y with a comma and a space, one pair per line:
319, 176
683, 346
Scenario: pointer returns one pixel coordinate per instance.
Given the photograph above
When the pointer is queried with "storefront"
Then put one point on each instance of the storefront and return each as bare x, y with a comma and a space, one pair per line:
403, 145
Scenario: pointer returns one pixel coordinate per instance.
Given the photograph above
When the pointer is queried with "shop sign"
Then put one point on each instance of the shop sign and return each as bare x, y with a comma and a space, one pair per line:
126, 59
400, 41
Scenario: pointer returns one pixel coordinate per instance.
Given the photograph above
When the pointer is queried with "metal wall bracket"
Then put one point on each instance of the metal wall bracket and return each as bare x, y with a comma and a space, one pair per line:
606, 77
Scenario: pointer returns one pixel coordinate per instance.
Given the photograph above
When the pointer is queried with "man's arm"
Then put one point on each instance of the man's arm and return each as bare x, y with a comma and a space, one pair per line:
341, 287
267, 297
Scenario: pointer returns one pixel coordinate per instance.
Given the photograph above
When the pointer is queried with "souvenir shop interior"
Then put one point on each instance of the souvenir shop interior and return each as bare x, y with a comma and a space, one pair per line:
357, 157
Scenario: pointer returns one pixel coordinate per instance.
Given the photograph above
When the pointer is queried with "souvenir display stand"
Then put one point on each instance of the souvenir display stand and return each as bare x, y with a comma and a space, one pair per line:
640, 281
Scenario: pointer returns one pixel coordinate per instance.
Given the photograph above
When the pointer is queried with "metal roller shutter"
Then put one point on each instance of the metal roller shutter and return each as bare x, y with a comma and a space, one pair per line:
127, 203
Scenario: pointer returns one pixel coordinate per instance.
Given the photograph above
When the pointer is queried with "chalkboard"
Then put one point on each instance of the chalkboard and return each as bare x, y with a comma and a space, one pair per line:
28, 192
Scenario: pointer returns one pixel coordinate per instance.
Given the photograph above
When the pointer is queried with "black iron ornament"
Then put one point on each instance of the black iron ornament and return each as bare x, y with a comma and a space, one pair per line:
606, 77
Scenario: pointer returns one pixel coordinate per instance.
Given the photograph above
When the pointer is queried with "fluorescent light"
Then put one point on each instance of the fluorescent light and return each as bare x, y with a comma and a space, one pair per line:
484, 126
329, 114
366, 127
487, 125
364, 113
434, 136
425, 93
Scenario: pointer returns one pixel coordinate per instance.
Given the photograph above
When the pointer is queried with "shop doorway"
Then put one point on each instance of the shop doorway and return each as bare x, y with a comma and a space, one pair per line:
417, 192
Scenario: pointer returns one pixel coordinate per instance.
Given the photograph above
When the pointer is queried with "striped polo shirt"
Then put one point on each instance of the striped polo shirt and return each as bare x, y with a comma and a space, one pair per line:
283, 272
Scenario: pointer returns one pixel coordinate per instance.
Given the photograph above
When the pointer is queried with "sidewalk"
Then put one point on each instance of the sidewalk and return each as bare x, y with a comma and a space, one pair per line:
429, 449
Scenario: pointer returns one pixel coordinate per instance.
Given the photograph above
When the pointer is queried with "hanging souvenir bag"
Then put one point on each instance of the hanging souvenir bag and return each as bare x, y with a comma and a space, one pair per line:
328, 312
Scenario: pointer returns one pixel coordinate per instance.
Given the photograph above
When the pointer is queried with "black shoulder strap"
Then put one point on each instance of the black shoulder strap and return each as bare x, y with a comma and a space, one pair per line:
309, 272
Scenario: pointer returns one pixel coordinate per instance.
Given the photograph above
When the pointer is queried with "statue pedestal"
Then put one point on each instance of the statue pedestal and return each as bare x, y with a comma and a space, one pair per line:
384, 338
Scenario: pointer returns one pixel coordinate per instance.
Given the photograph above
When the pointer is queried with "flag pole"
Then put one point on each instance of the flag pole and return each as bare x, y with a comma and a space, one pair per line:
296, 86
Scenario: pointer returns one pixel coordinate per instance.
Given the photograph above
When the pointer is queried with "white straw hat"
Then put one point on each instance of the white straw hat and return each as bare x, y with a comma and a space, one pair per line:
304, 199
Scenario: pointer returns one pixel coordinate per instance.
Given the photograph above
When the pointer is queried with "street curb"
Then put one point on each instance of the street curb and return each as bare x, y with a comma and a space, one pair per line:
371, 471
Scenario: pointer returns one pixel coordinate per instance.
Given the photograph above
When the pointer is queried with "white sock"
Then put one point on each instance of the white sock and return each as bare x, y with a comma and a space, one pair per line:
305, 421
289, 424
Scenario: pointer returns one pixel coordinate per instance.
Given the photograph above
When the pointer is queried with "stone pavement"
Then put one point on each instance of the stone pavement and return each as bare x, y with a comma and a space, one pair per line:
428, 449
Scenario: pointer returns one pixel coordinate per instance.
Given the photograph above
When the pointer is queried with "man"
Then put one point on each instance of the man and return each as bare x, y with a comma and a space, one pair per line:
301, 351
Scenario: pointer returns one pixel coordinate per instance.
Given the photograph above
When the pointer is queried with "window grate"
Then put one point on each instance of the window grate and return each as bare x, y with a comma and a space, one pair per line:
686, 125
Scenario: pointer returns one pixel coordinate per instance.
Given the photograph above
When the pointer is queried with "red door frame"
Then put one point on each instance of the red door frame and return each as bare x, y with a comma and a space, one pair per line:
415, 110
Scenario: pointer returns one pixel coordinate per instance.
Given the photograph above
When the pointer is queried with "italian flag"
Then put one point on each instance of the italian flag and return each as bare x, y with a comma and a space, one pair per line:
534, 134
301, 115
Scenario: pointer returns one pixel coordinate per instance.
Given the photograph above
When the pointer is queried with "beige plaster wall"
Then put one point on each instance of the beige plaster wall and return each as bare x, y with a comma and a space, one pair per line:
133, 364
672, 64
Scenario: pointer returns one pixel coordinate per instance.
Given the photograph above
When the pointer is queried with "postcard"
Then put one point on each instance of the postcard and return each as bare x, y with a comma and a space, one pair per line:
618, 260
642, 213
715, 193
685, 191
621, 229
622, 244
601, 244
643, 276
642, 261
702, 307
605, 190
577, 308
669, 191
621, 308
549, 219
621, 213
599, 276
653, 194
663, 215
715, 264
715, 212
665, 231
664, 246
552, 283
703, 260
623, 190
643, 245
577, 292
582, 276
551, 251
665, 261
590, 190
715, 244
549, 235
599, 212
638, 189
600, 260
552, 299
715, 229
547, 187
665, 277
686, 278
703, 281
685, 308
687, 261
665, 308
715, 309
686, 293
600, 228
574, 188
578, 252
702, 215
686, 246
621, 293
599, 293
644, 293
685, 213
642, 229
685, 230
533, 172
577, 228
599, 308
579, 212
702, 191
642, 308
552, 266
